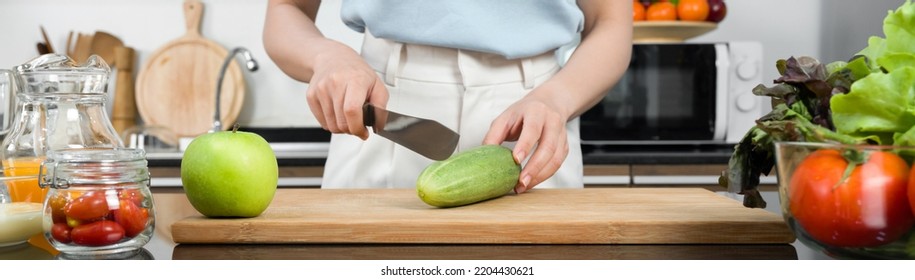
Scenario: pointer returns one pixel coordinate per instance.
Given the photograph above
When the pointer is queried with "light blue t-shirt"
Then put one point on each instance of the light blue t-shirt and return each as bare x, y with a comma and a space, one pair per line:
512, 28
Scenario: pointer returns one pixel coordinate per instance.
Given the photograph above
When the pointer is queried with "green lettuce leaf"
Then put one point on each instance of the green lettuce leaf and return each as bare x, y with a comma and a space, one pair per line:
880, 104
899, 29
869, 99
842, 74
876, 47
755, 154
899, 32
894, 61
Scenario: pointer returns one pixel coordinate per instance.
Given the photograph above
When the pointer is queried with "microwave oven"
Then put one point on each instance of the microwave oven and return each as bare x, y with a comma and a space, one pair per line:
680, 93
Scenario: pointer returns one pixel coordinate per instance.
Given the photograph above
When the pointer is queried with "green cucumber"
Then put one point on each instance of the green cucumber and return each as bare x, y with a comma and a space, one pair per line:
471, 176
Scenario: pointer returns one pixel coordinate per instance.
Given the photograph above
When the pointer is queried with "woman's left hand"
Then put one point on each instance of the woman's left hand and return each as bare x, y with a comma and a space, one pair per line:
540, 117
533, 121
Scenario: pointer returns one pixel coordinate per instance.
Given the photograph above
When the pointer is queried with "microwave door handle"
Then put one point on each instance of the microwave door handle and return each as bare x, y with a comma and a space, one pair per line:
722, 96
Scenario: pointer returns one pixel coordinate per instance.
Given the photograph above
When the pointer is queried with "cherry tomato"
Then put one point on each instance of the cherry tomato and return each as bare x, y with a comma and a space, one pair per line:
99, 233
61, 232
91, 205
132, 217
57, 204
72, 222
864, 208
131, 194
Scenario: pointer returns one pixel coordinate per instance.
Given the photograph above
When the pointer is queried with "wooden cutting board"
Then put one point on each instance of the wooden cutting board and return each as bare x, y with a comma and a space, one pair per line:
176, 88
541, 216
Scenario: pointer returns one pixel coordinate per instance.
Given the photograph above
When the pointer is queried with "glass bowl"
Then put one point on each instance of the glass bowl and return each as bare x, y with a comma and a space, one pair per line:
18, 222
849, 201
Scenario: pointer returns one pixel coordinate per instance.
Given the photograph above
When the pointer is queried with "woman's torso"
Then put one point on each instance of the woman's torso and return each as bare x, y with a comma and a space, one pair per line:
511, 28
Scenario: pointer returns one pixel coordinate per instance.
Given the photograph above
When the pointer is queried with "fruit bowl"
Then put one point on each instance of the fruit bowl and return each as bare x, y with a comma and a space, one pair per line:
849, 201
669, 31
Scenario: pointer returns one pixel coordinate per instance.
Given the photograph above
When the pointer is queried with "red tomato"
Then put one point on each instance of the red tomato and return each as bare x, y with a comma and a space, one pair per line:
132, 217
91, 205
99, 233
61, 232
131, 194
912, 189
57, 204
865, 209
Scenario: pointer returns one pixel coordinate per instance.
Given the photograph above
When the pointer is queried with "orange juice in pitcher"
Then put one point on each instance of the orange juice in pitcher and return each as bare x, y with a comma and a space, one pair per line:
51, 103
25, 190
55, 103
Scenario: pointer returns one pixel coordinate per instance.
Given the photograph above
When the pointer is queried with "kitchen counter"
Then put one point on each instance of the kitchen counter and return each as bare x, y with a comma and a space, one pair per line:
308, 146
657, 154
172, 205
302, 152
315, 154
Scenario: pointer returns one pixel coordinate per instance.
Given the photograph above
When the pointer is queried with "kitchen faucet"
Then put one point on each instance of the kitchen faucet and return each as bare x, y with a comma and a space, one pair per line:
249, 63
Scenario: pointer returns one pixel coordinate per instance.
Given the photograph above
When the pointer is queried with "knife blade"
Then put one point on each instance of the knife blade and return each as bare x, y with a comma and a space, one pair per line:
423, 136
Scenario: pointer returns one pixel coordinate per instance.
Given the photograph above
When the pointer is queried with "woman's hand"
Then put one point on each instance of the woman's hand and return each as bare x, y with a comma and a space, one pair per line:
340, 81
341, 84
540, 117
533, 121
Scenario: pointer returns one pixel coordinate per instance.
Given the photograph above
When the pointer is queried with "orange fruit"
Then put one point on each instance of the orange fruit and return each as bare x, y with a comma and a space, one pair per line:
661, 11
693, 10
638, 11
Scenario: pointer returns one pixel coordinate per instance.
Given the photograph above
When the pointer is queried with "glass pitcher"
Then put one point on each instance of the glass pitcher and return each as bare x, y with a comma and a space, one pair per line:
51, 103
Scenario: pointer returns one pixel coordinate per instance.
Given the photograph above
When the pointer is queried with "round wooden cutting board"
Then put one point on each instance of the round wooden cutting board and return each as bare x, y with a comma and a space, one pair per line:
176, 88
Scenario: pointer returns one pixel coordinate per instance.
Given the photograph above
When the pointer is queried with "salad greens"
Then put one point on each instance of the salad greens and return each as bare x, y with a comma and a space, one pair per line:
869, 99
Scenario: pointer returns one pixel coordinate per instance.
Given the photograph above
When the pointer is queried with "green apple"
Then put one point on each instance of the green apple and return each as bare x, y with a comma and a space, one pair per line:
229, 174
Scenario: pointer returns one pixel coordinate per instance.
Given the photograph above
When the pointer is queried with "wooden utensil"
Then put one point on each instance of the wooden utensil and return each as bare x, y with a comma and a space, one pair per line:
69, 49
42, 49
176, 87
47, 42
540, 216
81, 48
103, 44
124, 111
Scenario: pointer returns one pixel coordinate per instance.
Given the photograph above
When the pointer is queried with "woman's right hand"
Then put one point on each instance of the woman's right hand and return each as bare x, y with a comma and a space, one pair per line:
340, 81
341, 84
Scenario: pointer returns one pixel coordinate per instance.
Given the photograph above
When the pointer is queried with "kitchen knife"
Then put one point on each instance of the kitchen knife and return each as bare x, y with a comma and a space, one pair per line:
425, 137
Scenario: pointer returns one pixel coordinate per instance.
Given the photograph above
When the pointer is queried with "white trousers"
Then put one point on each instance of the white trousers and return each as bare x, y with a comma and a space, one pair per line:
463, 90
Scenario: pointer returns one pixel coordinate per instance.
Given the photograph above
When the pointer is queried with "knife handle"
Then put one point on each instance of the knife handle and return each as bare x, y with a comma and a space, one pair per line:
368, 114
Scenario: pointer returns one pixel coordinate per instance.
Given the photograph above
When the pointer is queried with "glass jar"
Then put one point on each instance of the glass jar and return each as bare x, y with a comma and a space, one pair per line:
59, 104
98, 200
